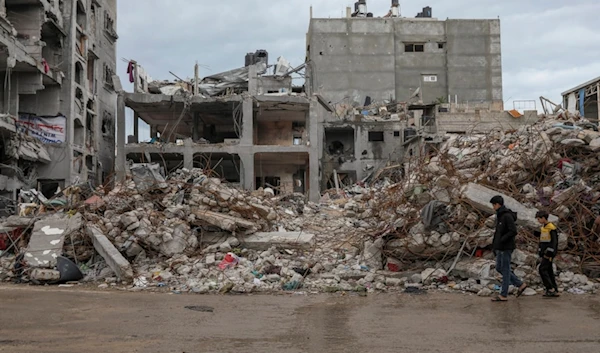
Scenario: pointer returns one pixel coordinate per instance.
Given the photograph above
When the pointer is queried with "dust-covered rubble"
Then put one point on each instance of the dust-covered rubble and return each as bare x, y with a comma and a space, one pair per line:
431, 229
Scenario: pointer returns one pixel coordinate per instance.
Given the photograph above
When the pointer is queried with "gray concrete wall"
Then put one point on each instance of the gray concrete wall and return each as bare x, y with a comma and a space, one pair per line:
351, 59
474, 60
107, 97
482, 122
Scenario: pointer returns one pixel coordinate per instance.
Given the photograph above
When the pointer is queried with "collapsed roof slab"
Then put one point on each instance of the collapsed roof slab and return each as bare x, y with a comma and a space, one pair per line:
161, 109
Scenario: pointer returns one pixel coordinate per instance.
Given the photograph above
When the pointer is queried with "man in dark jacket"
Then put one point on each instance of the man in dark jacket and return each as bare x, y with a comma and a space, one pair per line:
504, 244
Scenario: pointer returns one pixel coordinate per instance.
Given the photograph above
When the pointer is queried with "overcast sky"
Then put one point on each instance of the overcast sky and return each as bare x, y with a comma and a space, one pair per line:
548, 46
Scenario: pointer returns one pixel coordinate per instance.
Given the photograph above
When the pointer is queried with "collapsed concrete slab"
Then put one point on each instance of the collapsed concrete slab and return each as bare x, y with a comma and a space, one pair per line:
479, 197
223, 221
478, 269
111, 255
47, 239
285, 240
18, 221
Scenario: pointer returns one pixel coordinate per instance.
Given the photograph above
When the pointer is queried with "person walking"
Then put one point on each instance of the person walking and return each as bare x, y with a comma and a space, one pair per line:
503, 245
548, 247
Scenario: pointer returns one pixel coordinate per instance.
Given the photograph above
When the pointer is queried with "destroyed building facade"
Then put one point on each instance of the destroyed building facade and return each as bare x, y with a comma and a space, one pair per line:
58, 59
393, 78
584, 99
248, 126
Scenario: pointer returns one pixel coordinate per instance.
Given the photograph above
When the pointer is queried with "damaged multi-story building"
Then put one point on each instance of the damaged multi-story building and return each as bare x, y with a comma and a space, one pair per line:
248, 126
376, 92
58, 105
392, 79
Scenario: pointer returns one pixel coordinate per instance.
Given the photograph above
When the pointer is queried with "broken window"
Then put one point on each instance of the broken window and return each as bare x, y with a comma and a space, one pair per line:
78, 73
109, 26
80, 106
375, 136
107, 124
108, 74
91, 68
49, 188
396, 133
339, 141
77, 162
81, 16
78, 137
89, 163
93, 20
414, 48
89, 132
81, 44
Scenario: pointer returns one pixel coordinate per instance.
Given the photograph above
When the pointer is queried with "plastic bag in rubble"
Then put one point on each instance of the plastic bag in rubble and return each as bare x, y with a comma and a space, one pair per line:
229, 261
140, 282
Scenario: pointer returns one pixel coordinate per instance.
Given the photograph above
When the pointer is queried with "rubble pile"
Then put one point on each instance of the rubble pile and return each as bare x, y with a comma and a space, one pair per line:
188, 232
440, 214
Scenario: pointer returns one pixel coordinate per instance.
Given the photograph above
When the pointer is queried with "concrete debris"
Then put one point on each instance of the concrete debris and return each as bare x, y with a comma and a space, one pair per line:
113, 258
280, 240
432, 229
479, 197
47, 239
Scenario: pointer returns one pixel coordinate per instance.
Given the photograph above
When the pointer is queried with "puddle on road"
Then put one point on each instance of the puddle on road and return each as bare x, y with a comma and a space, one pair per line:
201, 308
326, 326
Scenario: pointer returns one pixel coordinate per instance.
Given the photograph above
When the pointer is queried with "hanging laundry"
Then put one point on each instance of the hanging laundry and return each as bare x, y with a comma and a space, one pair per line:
130, 71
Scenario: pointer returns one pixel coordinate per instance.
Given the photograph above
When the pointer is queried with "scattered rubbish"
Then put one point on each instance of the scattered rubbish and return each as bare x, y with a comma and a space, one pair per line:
140, 282
229, 261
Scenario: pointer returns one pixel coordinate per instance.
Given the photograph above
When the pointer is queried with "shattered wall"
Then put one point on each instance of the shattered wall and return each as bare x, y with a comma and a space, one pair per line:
275, 133
372, 146
483, 121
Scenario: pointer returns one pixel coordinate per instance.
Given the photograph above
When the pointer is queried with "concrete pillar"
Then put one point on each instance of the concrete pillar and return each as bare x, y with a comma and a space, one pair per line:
3, 8
247, 177
136, 128
247, 138
316, 137
598, 101
121, 158
252, 80
188, 154
196, 127
582, 102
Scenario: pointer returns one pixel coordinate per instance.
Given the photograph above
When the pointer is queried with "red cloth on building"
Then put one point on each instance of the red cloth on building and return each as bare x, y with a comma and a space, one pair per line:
130, 71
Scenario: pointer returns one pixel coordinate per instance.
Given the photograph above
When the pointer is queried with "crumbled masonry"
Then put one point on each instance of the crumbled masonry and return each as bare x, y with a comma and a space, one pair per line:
430, 229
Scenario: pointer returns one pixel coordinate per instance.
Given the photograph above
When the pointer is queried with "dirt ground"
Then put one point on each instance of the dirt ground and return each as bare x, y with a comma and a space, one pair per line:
56, 320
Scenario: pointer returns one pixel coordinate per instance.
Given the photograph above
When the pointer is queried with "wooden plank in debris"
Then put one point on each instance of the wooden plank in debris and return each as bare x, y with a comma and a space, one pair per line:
223, 221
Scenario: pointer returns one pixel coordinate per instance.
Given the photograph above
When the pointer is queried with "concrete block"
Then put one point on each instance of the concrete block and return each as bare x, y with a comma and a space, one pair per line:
479, 197
111, 255
224, 221
47, 239
44, 274
285, 240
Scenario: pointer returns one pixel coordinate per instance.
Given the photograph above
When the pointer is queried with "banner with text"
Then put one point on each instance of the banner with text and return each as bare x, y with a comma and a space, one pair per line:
48, 129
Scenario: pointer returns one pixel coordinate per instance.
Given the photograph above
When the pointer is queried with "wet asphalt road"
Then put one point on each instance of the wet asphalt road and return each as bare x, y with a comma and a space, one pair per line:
74, 320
